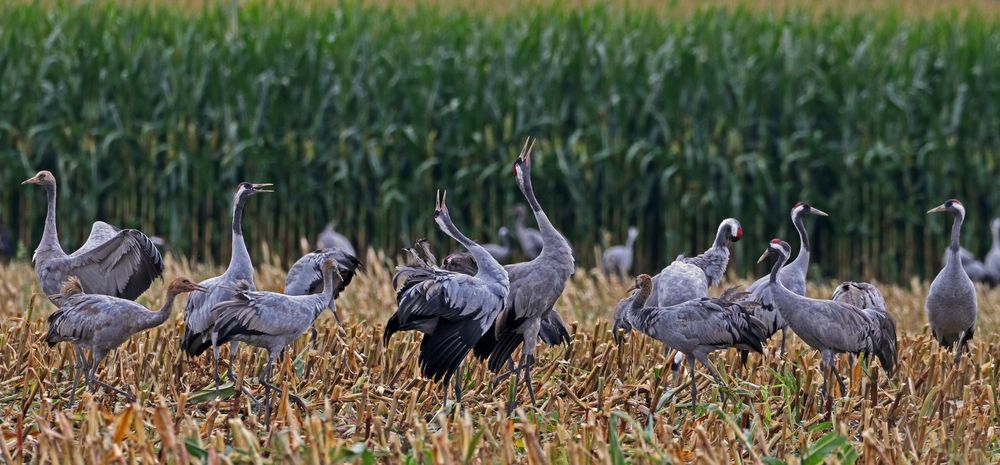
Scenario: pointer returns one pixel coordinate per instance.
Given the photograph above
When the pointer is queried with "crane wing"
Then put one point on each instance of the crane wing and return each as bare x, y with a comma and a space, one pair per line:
100, 233
306, 275
122, 266
256, 313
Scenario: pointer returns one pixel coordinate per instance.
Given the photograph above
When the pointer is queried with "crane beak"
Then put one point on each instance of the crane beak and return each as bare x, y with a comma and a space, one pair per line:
764, 255
31, 180
937, 209
200, 288
263, 187
816, 211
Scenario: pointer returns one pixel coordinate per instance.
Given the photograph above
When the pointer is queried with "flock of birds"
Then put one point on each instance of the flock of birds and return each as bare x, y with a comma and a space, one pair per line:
470, 302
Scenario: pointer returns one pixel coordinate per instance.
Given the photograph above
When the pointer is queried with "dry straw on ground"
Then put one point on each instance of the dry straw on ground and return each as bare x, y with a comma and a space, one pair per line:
598, 403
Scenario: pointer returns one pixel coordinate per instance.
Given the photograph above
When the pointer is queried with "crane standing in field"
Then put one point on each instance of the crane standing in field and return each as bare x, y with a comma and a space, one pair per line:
952, 305
306, 276
793, 276
694, 328
100, 323
535, 286
272, 321
119, 263
199, 333
688, 278
617, 260
530, 238
832, 327
452, 310
329, 238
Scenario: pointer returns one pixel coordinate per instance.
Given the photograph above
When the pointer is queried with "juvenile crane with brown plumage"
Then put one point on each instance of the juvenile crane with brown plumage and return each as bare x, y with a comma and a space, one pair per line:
100, 323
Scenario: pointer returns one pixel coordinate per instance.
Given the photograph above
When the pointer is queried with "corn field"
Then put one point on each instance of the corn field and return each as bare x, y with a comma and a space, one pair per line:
149, 115
599, 403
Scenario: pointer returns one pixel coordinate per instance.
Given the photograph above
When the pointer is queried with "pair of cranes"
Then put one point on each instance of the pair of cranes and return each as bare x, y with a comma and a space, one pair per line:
95, 286
475, 304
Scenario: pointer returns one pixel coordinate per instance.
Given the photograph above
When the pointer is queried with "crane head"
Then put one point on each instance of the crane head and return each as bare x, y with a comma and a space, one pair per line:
733, 228
776, 247
182, 285
522, 164
246, 189
803, 208
952, 206
42, 178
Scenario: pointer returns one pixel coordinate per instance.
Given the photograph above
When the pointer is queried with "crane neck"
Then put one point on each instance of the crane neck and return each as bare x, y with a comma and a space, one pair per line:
157, 318
780, 262
630, 243
645, 289
330, 283
240, 264
50, 235
995, 232
803, 257
956, 233
553, 242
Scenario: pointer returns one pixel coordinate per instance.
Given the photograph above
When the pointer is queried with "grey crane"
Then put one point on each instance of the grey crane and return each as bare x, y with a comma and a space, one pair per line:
689, 278
832, 327
694, 328
535, 286
952, 305
617, 260
329, 238
992, 265
100, 323
199, 333
119, 263
452, 310
502, 250
793, 276
272, 321
306, 275
530, 239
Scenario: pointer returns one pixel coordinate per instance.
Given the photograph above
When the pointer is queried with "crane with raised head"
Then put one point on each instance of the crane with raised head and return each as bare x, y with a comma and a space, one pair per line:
952, 304
453, 310
119, 263
793, 276
502, 250
100, 323
535, 286
199, 321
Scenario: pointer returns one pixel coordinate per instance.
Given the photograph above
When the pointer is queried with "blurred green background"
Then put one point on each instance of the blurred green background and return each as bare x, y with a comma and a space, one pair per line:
150, 115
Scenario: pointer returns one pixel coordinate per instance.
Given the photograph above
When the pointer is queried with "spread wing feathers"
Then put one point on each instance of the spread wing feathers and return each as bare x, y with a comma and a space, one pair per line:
83, 315
861, 295
712, 262
122, 266
100, 232
306, 275
438, 294
264, 313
